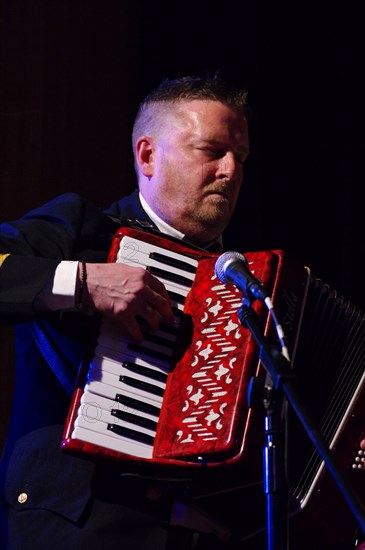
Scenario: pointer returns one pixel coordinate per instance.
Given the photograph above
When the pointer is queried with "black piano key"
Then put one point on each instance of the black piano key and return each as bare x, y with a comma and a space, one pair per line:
179, 264
146, 371
175, 296
140, 349
135, 404
178, 314
172, 330
155, 338
131, 434
145, 386
134, 419
170, 276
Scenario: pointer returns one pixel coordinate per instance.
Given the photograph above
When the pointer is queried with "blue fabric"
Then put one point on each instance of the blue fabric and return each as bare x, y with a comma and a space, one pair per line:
54, 357
64, 499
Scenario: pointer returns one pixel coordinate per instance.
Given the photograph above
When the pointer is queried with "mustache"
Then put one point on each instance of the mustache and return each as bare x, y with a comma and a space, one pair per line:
219, 189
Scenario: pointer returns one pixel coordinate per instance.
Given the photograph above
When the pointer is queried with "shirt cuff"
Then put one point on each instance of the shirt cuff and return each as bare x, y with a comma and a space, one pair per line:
63, 286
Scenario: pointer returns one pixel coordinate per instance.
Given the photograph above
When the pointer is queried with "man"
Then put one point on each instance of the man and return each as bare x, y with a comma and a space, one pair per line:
190, 142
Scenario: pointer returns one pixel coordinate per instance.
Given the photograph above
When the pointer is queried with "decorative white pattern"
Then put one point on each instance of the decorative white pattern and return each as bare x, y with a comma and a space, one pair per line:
205, 405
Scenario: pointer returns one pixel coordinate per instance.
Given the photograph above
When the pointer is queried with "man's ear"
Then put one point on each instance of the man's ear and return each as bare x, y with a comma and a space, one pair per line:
145, 149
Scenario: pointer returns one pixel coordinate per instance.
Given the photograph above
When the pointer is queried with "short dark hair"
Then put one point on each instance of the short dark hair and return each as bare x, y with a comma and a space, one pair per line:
191, 87
173, 91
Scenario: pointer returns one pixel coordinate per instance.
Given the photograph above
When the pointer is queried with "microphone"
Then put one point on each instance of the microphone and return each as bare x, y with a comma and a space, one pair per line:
232, 267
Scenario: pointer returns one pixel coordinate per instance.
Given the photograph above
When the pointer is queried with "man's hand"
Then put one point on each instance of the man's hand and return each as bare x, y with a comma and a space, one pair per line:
123, 293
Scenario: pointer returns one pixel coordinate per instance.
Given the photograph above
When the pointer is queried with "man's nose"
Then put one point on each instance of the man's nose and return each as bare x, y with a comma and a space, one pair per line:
227, 166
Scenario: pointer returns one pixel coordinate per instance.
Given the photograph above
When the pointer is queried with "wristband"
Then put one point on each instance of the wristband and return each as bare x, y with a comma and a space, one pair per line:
82, 285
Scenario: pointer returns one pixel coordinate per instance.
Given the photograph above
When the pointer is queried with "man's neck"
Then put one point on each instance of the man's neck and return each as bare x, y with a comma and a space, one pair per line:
216, 245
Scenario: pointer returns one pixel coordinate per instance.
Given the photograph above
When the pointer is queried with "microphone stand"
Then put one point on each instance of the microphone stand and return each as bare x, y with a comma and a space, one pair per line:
284, 383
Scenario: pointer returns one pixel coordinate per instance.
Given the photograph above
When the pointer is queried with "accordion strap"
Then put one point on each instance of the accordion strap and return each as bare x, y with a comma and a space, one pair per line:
61, 366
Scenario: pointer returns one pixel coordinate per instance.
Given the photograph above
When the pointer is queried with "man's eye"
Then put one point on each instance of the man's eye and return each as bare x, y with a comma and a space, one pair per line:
241, 159
214, 153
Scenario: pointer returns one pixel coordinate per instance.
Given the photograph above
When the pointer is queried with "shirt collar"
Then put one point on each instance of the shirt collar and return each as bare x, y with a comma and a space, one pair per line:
216, 245
162, 226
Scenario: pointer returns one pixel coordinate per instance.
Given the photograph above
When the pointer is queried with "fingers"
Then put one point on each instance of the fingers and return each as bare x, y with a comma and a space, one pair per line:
157, 307
152, 317
130, 324
126, 294
120, 329
153, 311
153, 301
155, 317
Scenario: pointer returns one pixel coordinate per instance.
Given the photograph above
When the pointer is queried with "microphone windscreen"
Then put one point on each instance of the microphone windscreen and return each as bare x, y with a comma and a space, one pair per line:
224, 260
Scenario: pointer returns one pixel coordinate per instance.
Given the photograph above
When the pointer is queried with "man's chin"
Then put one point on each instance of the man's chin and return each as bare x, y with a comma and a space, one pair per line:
218, 217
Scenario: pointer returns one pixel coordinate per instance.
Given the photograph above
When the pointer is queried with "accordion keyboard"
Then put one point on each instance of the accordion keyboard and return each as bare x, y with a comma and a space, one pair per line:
126, 381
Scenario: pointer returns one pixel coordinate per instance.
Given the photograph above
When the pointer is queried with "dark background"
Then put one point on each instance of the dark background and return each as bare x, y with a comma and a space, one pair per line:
72, 74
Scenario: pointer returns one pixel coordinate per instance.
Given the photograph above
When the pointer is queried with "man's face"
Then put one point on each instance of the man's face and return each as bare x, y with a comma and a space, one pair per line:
198, 169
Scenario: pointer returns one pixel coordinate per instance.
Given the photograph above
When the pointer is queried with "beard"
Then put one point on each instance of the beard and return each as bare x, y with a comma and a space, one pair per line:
210, 218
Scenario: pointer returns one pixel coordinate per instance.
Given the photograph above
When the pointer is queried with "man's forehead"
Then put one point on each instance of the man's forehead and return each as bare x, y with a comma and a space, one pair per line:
207, 114
206, 105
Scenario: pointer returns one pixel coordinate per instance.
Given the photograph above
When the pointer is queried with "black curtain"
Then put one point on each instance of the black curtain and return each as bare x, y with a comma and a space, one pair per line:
72, 74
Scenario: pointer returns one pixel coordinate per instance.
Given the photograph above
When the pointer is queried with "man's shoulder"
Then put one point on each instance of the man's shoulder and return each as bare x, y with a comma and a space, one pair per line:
69, 201
128, 207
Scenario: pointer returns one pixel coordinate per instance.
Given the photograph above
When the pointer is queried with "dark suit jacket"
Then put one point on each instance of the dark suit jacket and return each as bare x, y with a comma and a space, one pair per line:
35, 475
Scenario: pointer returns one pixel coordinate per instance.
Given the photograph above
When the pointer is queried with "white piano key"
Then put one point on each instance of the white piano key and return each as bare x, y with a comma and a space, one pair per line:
109, 372
166, 345
111, 392
133, 250
92, 404
114, 365
123, 346
175, 287
107, 440
115, 355
103, 418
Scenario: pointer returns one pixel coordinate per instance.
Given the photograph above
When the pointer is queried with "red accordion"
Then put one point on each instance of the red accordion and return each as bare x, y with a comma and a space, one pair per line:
180, 397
